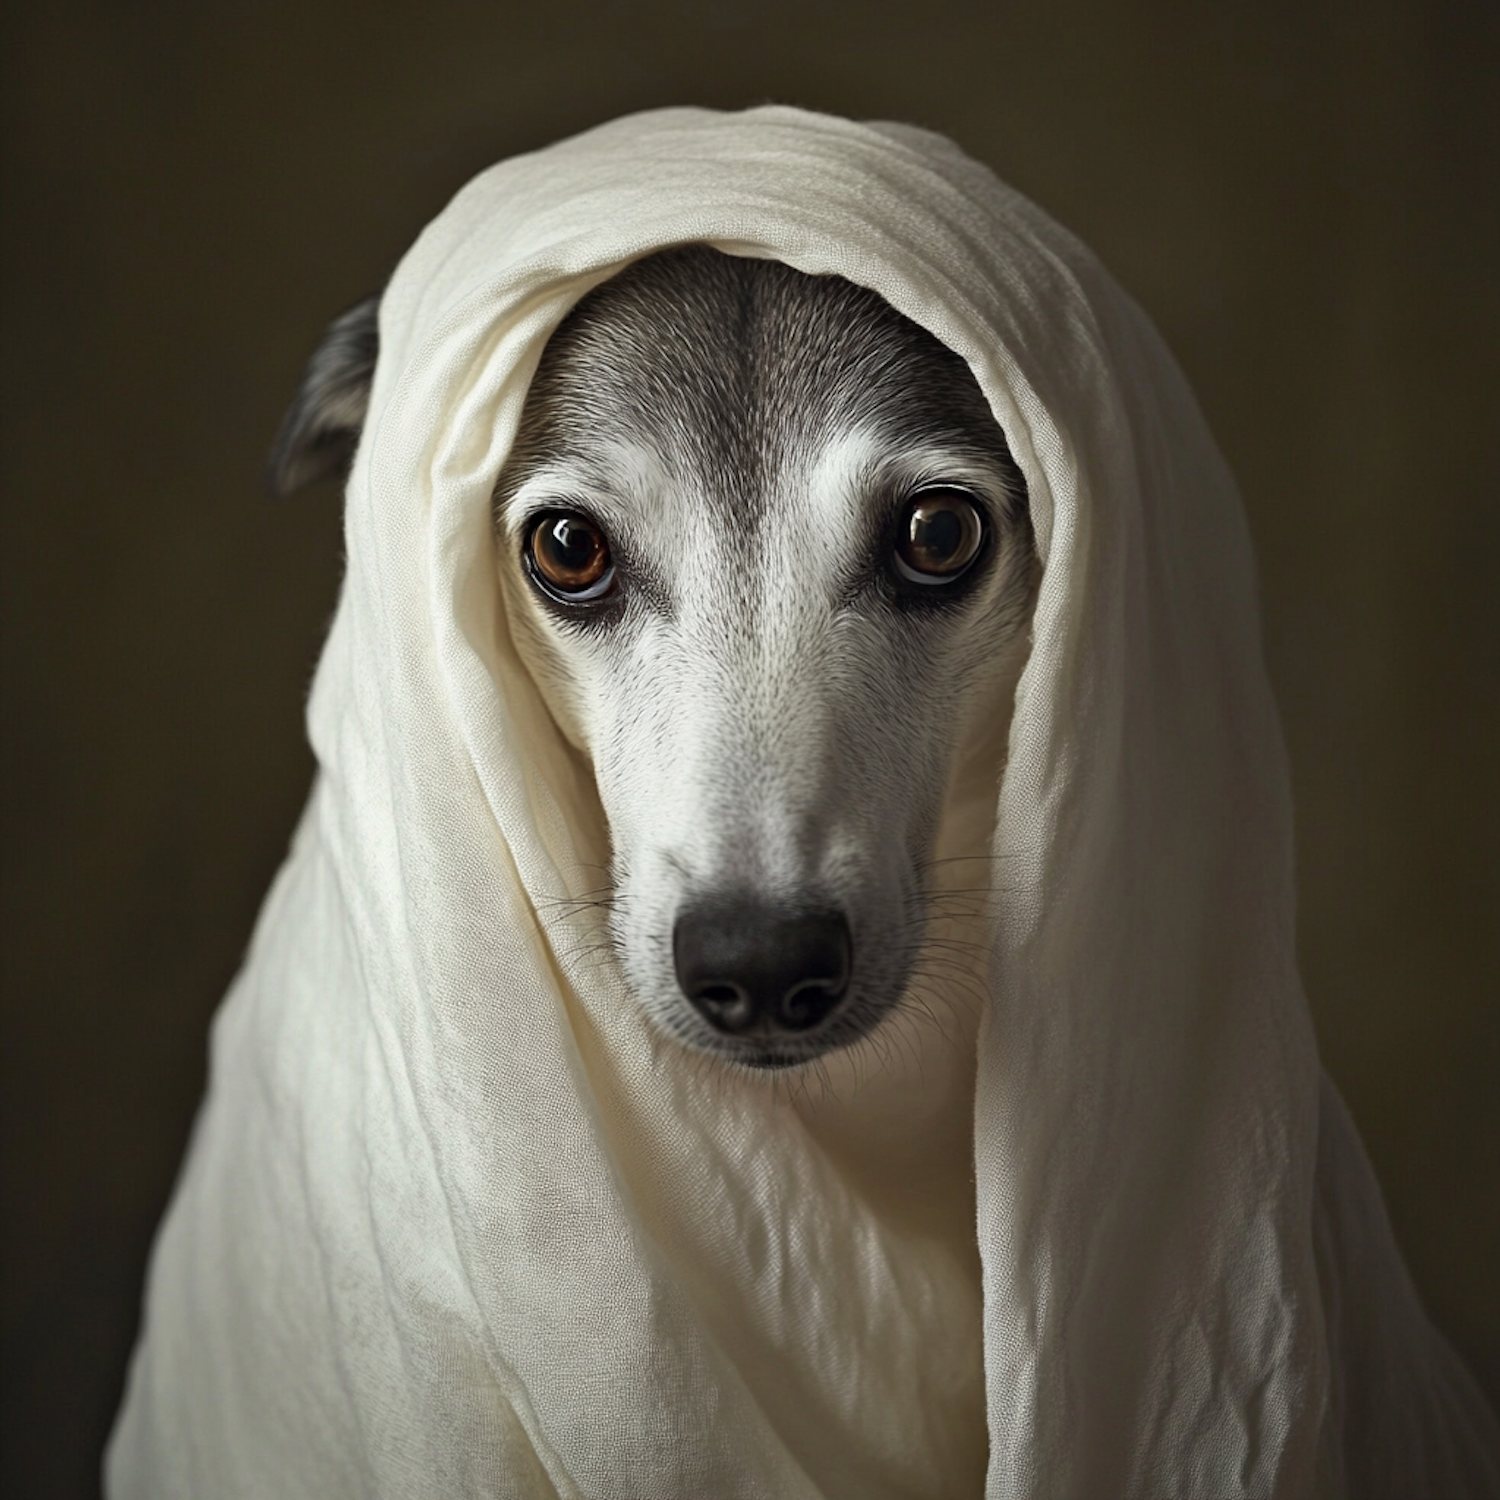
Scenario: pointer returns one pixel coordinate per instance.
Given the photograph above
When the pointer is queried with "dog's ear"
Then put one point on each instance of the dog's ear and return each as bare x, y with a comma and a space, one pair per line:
321, 429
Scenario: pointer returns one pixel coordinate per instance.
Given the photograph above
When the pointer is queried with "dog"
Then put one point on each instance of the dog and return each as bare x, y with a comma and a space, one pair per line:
753, 559
767, 555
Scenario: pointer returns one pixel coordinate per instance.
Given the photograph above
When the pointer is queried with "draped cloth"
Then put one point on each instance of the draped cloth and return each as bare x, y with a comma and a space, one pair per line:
455, 1222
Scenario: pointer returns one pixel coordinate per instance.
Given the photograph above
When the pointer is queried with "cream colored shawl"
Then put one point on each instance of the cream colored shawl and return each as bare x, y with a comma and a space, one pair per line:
454, 1223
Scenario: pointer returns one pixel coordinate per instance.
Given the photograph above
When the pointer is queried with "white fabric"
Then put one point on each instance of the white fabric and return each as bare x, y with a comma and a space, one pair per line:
454, 1223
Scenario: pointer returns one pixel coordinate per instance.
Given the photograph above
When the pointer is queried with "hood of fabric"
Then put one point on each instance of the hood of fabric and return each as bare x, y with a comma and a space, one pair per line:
1146, 1114
523, 1245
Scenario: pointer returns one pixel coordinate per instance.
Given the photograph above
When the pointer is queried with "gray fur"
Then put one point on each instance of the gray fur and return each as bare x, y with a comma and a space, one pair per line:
728, 366
321, 428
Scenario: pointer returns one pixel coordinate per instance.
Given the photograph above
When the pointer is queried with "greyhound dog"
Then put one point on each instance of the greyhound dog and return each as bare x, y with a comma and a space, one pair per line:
765, 551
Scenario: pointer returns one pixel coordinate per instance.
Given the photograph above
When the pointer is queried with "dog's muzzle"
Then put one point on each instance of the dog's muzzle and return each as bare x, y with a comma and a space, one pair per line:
753, 970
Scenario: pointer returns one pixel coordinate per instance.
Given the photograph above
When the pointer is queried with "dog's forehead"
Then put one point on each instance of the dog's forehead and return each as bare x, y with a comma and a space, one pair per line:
728, 373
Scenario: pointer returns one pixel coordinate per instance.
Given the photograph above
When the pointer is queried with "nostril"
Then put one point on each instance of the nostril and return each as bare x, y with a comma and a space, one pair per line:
745, 965
805, 1004
726, 1006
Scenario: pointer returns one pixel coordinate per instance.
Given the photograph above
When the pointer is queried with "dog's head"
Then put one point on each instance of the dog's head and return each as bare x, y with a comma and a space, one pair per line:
765, 551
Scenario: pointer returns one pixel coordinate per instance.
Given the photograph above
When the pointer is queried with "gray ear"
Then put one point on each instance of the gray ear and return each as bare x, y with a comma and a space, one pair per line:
321, 429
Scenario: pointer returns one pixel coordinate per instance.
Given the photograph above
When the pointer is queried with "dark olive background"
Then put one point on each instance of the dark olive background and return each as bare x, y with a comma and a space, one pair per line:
1302, 195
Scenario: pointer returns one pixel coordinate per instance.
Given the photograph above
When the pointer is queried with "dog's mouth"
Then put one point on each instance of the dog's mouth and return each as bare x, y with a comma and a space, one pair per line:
769, 1062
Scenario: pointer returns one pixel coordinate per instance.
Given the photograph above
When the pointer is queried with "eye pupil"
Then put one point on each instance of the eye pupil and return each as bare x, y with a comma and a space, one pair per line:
570, 554
936, 534
940, 536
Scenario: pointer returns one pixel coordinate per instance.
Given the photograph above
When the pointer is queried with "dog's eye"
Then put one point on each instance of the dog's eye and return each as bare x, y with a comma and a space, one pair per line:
569, 557
939, 535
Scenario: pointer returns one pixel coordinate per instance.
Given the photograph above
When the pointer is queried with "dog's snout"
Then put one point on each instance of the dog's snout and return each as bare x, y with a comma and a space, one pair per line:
747, 967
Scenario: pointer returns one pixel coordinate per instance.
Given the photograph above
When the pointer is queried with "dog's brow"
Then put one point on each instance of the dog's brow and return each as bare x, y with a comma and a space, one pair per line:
897, 466
610, 476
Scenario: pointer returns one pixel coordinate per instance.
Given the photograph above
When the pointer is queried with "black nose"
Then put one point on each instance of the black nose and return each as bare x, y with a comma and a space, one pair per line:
749, 967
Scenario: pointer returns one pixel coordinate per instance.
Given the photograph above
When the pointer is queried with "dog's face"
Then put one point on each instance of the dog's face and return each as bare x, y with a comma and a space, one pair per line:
764, 549
765, 552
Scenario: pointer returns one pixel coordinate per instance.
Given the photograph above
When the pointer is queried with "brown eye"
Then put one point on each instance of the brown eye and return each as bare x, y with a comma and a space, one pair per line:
940, 534
569, 557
